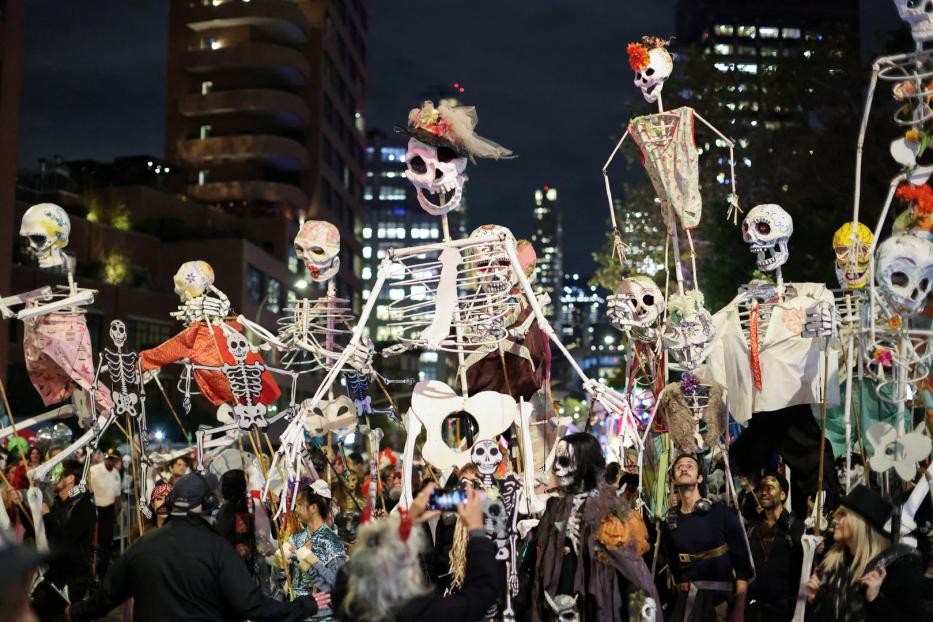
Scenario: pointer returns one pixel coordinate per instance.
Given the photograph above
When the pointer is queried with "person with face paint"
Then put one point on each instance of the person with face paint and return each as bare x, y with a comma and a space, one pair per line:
774, 539
589, 544
707, 551
158, 505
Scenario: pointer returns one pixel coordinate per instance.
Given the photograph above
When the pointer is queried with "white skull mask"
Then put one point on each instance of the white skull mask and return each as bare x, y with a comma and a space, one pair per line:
651, 79
312, 419
238, 346
436, 171
767, 229
688, 336
340, 416
46, 227
565, 463
919, 16
193, 279
118, 333
904, 269
638, 303
490, 262
486, 455
318, 246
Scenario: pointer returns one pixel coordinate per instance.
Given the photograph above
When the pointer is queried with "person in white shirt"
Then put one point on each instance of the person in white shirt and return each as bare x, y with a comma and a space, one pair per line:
104, 482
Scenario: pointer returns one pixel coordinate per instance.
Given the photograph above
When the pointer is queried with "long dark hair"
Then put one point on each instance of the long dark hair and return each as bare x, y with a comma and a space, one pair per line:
591, 465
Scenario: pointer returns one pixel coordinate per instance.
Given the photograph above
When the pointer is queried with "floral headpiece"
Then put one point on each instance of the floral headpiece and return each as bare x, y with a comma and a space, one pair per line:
918, 219
682, 305
639, 53
451, 126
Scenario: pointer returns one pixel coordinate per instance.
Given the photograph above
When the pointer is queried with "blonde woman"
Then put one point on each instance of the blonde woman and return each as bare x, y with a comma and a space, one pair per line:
864, 577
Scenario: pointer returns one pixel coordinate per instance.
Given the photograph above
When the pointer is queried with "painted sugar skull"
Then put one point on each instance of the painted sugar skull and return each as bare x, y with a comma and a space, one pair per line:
919, 16
193, 279
238, 346
565, 463
118, 333
688, 332
904, 272
46, 228
318, 246
767, 229
437, 174
637, 302
486, 455
491, 262
652, 65
853, 245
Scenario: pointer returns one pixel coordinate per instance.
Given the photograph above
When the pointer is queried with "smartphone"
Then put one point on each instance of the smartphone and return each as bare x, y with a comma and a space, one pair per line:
446, 499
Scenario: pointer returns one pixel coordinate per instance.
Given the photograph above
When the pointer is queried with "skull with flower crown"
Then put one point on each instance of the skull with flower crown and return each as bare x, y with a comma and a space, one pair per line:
652, 64
688, 332
46, 228
853, 245
193, 279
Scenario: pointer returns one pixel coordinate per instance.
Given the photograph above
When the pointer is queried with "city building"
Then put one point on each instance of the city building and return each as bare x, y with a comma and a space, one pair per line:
266, 112
548, 242
11, 44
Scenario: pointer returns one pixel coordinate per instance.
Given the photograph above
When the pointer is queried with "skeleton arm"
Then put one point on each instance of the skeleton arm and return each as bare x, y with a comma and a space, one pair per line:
734, 209
618, 246
20, 299
82, 297
264, 334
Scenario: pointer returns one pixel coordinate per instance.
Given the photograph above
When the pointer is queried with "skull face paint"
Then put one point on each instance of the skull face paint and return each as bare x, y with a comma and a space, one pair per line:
487, 456
637, 303
565, 463
46, 227
193, 279
852, 255
435, 172
919, 16
118, 333
767, 229
904, 272
318, 246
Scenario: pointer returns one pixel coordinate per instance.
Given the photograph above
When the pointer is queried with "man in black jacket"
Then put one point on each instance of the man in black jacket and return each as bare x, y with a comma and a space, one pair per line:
186, 571
69, 527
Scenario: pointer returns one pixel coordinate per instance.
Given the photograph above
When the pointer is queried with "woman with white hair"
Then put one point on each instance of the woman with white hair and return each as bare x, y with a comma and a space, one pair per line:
864, 577
384, 580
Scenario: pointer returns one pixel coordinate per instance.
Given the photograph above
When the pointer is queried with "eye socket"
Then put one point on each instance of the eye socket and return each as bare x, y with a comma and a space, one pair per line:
480, 451
899, 279
38, 240
762, 227
564, 461
446, 154
494, 451
317, 250
648, 300
649, 71
417, 165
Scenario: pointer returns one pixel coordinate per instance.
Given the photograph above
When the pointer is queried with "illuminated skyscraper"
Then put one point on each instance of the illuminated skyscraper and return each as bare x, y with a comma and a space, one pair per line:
548, 242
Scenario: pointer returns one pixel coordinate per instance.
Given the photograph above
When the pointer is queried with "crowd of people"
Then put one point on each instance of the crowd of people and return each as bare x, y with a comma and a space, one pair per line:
211, 549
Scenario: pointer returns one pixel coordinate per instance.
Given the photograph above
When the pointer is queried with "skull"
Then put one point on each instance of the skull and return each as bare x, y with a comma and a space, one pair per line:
46, 227
904, 269
318, 246
118, 333
564, 607
688, 332
436, 171
486, 455
193, 279
565, 463
490, 261
238, 346
767, 228
919, 16
852, 256
651, 78
638, 302
312, 419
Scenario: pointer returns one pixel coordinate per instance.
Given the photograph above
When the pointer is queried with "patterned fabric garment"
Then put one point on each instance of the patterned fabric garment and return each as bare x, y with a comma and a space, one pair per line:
838, 599
670, 157
321, 576
57, 348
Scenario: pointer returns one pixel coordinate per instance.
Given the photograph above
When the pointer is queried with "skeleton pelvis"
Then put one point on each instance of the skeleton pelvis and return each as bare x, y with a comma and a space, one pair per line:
433, 401
249, 415
125, 403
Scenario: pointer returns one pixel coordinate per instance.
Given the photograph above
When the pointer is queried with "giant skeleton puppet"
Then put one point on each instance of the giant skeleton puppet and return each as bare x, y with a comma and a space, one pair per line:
56, 342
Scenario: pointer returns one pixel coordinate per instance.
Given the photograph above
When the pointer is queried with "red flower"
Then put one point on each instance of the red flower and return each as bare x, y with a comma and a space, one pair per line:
920, 196
637, 56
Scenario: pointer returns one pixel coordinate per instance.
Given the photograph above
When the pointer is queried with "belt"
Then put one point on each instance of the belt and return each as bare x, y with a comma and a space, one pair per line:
688, 558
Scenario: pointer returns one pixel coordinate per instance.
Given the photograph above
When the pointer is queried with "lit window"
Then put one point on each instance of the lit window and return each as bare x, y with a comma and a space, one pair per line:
366, 294
367, 272
367, 252
206, 87
769, 52
392, 154
382, 312
205, 131
419, 292
202, 177
396, 293
367, 233
400, 233
790, 33
747, 68
768, 32
745, 31
723, 49
428, 357
724, 67
724, 30
368, 194
391, 193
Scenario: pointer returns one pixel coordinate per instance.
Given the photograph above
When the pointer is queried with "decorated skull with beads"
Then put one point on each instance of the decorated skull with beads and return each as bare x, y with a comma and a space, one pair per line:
904, 272
688, 332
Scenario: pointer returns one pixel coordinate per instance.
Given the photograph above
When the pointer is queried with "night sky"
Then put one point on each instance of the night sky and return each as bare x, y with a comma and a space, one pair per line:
548, 78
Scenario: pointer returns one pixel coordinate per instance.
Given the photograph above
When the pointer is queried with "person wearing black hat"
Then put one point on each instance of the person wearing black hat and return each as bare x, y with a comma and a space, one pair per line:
862, 576
706, 549
774, 539
185, 571
104, 481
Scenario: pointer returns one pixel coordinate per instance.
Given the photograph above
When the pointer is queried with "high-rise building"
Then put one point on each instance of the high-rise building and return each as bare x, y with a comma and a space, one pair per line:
11, 43
266, 108
548, 242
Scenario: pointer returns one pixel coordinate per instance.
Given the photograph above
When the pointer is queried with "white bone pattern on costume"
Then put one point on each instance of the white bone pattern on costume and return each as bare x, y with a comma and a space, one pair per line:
123, 368
245, 383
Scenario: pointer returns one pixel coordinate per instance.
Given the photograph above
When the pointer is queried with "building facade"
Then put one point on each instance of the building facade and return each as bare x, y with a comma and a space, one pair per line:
548, 243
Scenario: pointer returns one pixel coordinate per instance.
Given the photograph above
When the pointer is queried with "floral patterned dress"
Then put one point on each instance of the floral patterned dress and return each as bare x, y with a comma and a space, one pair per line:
320, 577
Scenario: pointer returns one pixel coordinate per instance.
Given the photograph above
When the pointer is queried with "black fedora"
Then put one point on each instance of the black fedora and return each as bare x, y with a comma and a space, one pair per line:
872, 507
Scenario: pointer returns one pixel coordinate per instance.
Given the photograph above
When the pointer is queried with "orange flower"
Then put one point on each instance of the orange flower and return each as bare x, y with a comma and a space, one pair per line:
895, 321
637, 56
912, 136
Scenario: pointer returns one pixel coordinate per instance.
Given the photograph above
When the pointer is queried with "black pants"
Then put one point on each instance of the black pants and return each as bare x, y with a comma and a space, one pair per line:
106, 517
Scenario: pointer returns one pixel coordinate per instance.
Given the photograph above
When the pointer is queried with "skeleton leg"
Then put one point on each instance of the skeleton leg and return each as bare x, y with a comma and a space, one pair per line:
211, 442
413, 428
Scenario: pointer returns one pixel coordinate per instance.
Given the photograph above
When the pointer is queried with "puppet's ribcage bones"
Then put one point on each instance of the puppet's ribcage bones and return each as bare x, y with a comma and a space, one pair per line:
454, 301
246, 386
124, 376
315, 332
911, 74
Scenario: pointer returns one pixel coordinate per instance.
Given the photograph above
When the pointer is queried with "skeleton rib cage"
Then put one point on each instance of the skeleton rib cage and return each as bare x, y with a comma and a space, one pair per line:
315, 332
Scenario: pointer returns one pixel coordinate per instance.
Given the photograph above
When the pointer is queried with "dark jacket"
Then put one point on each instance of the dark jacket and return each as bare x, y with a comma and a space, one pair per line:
778, 556
901, 595
702, 531
69, 527
186, 572
478, 593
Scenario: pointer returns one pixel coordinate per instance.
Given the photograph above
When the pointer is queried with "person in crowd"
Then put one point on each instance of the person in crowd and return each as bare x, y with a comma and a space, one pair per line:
864, 577
706, 548
17, 567
104, 482
774, 538
613, 474
34, 457
384, 581
186, 572
234, 521
158, 505
179, 467
315, 552
69, 527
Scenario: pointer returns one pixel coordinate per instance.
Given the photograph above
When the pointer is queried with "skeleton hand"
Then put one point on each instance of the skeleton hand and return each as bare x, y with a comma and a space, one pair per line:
361, 359
734, 209
5, 312
821, 321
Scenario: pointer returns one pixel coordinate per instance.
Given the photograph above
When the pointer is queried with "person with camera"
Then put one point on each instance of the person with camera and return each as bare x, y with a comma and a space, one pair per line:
186, 571
707, 551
